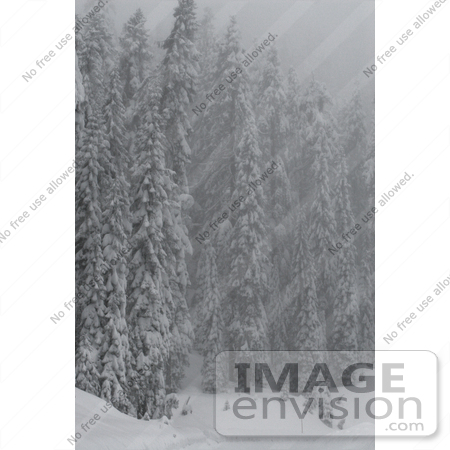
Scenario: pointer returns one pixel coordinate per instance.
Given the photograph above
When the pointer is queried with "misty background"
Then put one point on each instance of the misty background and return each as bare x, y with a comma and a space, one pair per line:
333, 39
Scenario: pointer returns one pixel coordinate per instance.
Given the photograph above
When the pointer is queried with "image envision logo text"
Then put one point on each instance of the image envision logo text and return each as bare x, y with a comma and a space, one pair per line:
325, 392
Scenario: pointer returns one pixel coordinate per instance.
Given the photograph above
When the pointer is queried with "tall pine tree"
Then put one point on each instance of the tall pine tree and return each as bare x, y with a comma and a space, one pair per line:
320, 138
180, 72
135, 55
249, 264
367, 263
150, 295
89, 260
344, 334
115, 353
97, 58
323, 226
273, 125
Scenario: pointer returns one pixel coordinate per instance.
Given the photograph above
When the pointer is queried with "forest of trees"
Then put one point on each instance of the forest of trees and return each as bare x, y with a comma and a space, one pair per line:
152, 175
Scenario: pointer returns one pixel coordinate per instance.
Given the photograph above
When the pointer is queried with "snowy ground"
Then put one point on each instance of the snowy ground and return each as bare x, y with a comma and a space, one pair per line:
116, 431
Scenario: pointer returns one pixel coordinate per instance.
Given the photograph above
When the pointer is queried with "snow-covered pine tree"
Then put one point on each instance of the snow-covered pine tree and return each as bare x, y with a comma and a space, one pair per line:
273, 125
323, 226
87, 375
247, 326
180, 72
367, 263
115, 353
135, 55
150, 303
182, 334
210, 328
306, 331
89, 261
97, 57
345, 315
233, 159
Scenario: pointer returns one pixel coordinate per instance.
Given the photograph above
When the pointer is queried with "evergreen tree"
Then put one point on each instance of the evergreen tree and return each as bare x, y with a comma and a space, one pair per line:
135, 56
306, 330
248, 277
97, 57
89, 260
323, 226
345, 309
180, 71
115, 354
234, 160
150, 295
87, 375
274, 125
